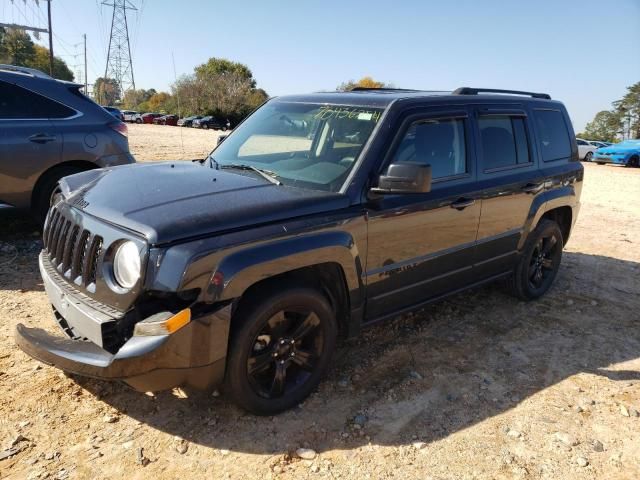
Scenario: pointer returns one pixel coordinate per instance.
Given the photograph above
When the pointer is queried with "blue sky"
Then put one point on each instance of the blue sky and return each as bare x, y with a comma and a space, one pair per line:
584, 53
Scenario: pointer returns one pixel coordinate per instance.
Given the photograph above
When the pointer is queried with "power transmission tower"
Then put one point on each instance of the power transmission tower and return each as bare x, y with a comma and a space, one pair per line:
119, 63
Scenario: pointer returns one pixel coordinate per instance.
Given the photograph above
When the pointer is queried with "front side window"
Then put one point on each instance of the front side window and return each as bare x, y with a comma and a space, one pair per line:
439, 143
306, 145
553, 134
19, 103
504, 141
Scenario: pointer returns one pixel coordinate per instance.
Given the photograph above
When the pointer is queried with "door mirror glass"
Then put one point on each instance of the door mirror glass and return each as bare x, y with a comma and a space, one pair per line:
403, 177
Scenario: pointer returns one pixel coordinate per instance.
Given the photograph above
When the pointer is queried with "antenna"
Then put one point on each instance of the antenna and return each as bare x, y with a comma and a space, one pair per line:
119, 62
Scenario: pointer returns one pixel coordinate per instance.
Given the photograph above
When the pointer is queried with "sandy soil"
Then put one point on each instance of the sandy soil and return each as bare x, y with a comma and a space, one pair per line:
475, 387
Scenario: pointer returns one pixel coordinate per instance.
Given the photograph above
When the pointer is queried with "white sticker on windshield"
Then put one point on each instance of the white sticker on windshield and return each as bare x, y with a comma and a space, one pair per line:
365, 116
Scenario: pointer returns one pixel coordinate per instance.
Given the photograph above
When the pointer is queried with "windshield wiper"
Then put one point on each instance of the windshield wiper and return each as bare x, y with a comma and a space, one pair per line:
267, 174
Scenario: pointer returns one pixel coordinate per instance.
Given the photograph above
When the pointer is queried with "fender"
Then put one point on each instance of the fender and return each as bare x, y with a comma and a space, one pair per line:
239, 270
564, 196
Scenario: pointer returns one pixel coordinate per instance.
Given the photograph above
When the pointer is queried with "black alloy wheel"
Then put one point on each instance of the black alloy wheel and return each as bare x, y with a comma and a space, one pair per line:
541, 264
281, 350
285, 353
539, 261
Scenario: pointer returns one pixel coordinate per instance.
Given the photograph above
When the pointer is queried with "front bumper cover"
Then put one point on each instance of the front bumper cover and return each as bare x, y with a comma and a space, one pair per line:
146, 363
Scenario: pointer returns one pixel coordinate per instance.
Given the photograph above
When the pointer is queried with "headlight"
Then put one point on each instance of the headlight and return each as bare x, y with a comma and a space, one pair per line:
126, 265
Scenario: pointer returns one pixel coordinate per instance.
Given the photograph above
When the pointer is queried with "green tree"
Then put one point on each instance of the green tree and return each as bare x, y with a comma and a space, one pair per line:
604, 127
17, 47
364, 82
106, 91
628, 109
40, 62
215, 67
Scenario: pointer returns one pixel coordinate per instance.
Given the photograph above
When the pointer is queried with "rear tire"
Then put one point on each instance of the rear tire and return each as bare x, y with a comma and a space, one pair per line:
138, 120
539, 261
48, 191
281, 348
205, 126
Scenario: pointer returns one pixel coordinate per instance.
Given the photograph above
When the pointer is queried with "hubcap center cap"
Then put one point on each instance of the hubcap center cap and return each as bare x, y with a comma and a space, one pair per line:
285, 348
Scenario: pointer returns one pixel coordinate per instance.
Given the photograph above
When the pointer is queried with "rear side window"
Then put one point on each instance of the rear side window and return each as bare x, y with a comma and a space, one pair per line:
439, 143
504, 141
555, 143
19, 103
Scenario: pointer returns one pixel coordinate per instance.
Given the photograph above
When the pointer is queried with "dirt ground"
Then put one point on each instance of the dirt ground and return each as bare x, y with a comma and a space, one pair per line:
479, 386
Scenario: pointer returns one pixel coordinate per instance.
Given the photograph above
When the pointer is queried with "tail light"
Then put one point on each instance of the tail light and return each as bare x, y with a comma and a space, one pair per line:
121, 128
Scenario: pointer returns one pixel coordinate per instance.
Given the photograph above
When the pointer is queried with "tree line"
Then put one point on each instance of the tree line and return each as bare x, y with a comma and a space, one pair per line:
622, 121
17, 48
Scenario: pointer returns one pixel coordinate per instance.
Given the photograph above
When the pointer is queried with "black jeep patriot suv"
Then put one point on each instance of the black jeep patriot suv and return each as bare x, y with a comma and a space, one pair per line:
319, 214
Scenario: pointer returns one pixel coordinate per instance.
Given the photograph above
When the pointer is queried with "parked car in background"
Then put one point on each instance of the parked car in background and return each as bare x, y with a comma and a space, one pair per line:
188, 121
115, 112
212, 122
129, 115
244, 269
146, 117
585, 149
48, 130
166, 120
624, 153
598, 143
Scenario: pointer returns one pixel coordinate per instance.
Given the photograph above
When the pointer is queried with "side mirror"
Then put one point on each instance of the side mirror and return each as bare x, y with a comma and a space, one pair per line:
221, 139
404, 178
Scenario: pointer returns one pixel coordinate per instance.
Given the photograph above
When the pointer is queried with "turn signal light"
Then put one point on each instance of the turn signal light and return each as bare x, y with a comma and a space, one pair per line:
163, 323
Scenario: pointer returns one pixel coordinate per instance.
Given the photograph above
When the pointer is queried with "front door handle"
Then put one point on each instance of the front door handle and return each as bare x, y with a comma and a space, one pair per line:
42, 138
462, 203
533, 187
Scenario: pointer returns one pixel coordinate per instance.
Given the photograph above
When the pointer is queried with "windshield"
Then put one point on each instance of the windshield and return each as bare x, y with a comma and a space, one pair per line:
306, 145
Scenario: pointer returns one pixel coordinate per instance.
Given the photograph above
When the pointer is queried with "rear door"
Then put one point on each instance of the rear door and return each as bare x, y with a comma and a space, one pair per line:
422, 245
510, 180
29, 142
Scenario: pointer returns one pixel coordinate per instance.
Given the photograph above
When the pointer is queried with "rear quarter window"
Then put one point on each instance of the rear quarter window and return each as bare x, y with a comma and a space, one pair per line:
19, 103
553, 135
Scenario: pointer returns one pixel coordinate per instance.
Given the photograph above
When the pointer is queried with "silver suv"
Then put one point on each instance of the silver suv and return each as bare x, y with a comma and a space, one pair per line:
49, 130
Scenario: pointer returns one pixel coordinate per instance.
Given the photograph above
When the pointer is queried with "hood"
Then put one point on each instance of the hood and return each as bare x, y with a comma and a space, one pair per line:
168, 202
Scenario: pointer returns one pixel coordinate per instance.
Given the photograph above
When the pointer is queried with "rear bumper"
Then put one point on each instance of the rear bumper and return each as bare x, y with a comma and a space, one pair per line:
194, 355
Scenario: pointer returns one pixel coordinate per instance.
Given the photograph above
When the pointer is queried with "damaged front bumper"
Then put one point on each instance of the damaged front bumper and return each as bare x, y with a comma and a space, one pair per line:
194, 355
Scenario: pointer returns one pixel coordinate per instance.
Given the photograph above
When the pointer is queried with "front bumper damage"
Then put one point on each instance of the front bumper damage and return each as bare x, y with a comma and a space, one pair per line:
194, 355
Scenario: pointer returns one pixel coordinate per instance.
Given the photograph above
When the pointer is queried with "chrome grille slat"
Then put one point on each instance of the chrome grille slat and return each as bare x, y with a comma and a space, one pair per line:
78, 254
75, 252
62, 240
56, 237
69, 245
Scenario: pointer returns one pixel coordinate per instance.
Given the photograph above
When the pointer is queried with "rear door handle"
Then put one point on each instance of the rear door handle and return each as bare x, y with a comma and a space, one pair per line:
533, 187
462, 203
42, 138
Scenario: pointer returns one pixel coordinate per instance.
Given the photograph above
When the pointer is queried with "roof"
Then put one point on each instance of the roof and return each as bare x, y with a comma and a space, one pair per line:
383, 97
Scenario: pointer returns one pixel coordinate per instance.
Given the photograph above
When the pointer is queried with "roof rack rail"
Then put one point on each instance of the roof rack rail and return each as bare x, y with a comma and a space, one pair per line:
24, 71
382, 89
476, 91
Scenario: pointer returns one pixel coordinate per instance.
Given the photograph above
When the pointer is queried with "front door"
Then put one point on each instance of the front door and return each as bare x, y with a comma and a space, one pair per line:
422, 245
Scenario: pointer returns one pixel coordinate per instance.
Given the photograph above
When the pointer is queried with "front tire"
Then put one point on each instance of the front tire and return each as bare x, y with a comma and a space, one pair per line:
138, 120
588, 157
539, 261
205, 126
280, 350
634, 162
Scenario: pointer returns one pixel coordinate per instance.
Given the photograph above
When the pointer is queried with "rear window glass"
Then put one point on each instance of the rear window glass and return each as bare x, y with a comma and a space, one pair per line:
17, 102
555, 143
504, 141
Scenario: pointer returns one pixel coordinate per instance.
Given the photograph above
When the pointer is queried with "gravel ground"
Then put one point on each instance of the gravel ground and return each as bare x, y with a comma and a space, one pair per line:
477, 386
